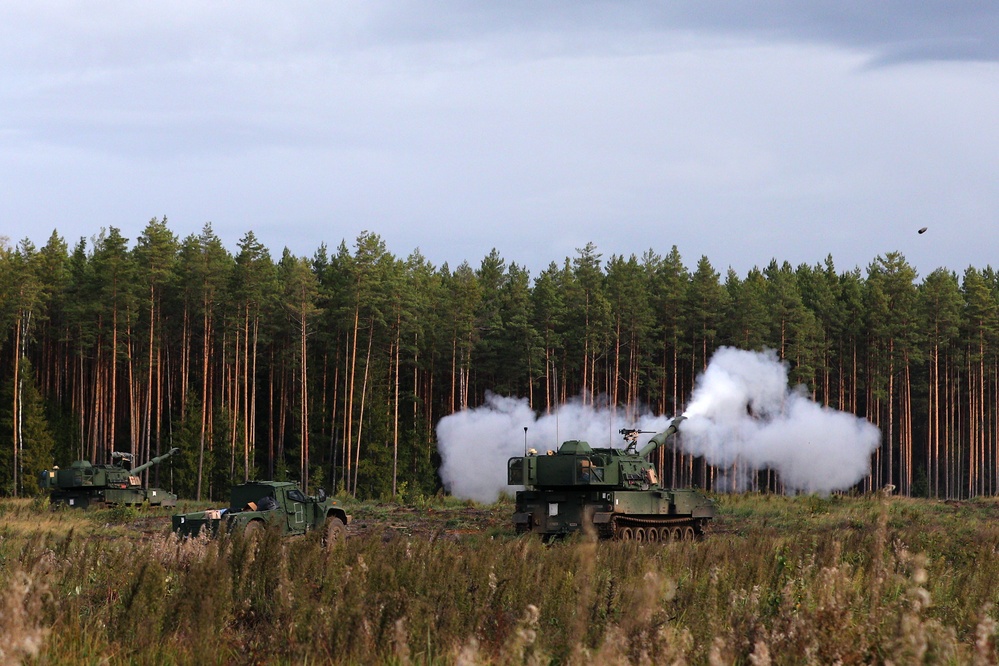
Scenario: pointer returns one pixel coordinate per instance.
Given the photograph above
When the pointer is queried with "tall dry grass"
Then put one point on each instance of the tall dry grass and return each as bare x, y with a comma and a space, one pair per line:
779, 581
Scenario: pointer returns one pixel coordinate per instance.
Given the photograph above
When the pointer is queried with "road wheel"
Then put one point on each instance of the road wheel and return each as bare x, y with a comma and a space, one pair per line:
627, 534
336, 532
653, 535
640, 535
688, 533
677, 534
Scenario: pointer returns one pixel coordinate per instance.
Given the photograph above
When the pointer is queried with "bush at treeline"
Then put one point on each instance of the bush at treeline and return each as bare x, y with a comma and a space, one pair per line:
333, 369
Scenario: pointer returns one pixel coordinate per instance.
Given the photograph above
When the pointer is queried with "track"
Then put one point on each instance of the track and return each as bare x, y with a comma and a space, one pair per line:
655, 529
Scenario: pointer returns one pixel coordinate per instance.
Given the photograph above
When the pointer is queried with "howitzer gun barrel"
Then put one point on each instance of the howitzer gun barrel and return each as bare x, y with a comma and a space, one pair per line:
154, 461
660, 439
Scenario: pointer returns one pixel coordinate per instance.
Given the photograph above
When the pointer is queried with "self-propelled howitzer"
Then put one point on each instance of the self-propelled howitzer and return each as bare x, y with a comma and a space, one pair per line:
83, 484
610, 493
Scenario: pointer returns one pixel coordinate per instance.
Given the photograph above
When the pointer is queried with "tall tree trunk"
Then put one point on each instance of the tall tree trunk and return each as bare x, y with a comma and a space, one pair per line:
185, 362
304, 410
454, 368
16, 407
360, 418
133, 406
891, 411
333, 416
349, 407
617, 363
149, 380
114, 377
204, 396
395, 409
270, 416
251, 425
245, 390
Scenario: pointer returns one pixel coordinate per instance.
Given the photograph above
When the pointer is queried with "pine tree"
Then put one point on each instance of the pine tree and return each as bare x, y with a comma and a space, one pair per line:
891, 301
704, 308
36, 441
205, 267
488, 349
254, 287
300, 292
669, 282
26, 297
519, 340
589, 319
548, 316
155, 253
746, 321
940, 304
628, 295
368, 270
981, 324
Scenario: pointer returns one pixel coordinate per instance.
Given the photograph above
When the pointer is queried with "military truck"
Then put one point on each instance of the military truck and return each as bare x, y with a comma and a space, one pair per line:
608, 492
84, 484
256, 505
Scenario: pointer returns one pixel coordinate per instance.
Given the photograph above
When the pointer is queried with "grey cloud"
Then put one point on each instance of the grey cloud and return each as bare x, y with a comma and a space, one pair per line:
893, 31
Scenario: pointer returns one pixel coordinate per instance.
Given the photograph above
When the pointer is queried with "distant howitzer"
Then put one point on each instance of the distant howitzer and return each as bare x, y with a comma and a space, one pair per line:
610, 493
83, 484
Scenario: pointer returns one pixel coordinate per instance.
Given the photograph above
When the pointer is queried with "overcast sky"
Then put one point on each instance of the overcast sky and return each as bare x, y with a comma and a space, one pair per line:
742, 131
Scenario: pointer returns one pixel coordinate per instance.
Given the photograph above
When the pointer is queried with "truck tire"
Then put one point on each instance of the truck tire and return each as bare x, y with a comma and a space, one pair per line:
336, 532
253, 530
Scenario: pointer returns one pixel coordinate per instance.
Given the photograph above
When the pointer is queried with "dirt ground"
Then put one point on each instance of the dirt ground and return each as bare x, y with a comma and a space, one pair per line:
389, 521
392, 520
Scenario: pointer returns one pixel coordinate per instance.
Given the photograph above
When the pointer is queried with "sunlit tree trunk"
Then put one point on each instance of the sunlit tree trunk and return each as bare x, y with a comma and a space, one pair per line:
360, 418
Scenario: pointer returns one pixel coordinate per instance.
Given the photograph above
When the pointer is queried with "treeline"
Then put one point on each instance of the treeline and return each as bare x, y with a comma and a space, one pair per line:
334, 369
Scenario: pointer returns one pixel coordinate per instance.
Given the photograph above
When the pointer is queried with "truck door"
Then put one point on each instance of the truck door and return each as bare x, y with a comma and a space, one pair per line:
295, 506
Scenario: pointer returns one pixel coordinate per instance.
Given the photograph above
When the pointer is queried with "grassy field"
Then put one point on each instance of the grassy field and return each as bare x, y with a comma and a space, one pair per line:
777, 581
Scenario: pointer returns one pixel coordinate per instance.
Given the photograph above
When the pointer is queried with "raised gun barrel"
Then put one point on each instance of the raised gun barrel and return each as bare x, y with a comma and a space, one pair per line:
661, 438
154, 461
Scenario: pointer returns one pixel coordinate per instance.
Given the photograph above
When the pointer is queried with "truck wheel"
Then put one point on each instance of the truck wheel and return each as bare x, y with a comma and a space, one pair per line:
336, 532
253, 530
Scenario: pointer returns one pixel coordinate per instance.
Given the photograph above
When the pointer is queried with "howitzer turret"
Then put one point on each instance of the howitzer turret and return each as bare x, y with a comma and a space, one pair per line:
607, 492
83, 484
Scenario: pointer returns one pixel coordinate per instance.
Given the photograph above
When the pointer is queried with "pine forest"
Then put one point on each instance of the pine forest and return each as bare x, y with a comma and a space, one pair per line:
334, 369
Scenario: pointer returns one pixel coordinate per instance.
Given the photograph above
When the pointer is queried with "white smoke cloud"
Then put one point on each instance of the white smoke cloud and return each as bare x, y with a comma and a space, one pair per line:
742, 413
475, 444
